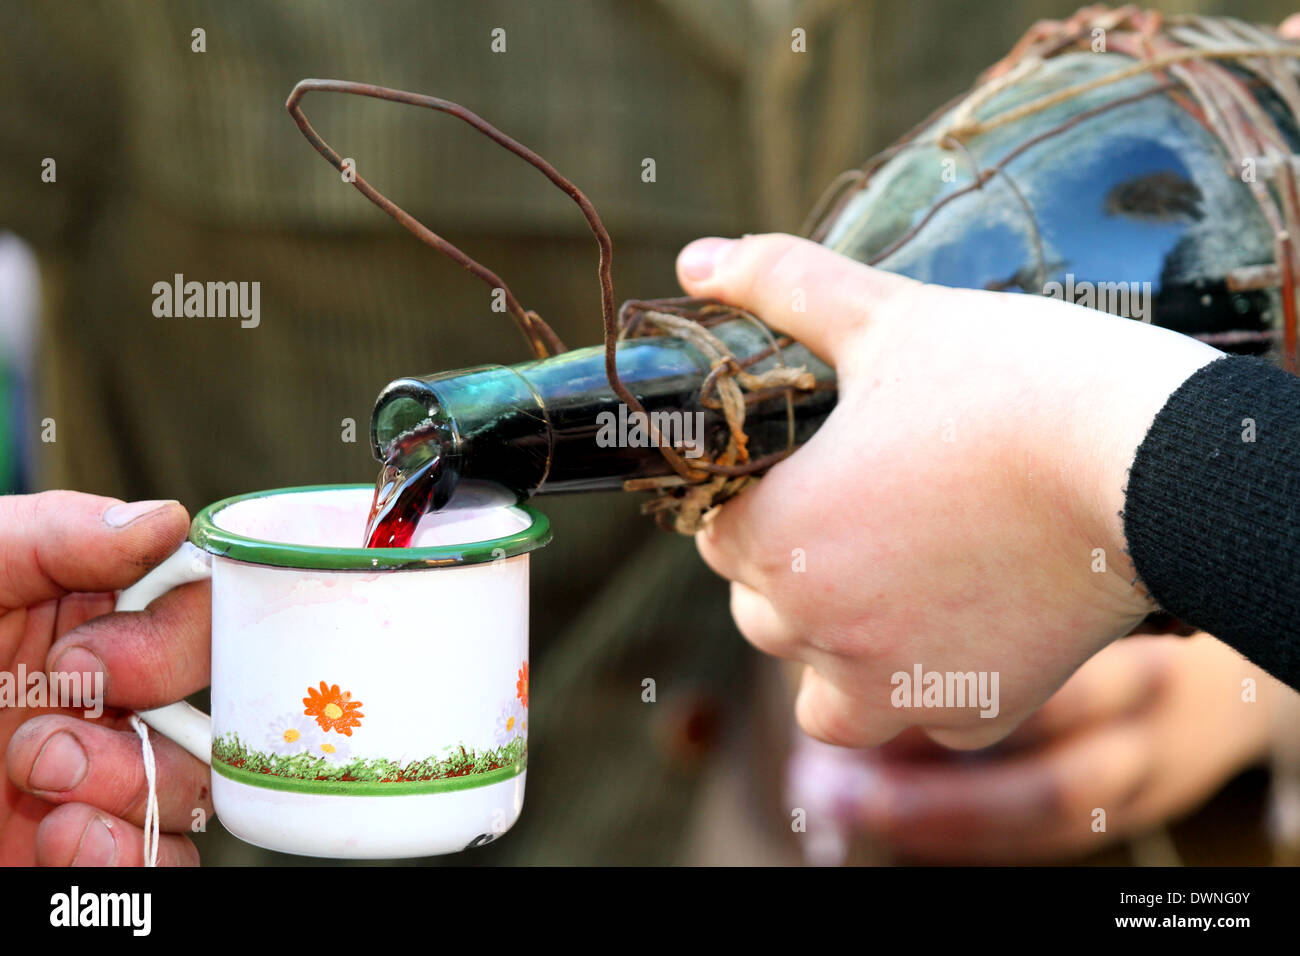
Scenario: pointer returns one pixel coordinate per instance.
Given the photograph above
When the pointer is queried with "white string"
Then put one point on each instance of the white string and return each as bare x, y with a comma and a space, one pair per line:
151, 805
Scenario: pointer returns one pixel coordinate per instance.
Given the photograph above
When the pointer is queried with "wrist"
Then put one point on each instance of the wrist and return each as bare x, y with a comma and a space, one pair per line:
1147, 377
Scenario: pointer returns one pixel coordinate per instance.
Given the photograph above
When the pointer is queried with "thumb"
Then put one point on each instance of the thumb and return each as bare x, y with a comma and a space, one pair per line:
62, 541
817, 296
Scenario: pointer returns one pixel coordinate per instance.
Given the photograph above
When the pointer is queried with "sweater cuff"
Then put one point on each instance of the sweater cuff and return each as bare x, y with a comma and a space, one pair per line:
1212, 509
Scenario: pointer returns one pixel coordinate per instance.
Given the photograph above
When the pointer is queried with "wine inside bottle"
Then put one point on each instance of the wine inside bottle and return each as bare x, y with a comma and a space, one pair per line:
500, 435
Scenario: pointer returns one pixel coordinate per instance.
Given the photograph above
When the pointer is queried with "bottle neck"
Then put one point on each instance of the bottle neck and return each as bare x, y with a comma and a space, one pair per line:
504, 434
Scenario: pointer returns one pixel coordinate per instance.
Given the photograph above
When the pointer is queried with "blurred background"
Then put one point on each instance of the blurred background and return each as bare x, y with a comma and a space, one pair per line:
172, 160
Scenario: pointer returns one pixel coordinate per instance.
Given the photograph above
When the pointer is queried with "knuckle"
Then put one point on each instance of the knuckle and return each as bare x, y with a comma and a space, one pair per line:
765, 265
784, 264
828, 728
760, 625
771, 562
155, 647
837, 640
134, 800
707, 544
821, 719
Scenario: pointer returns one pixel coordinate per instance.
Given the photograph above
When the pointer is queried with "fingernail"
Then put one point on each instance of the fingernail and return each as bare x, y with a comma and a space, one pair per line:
701, 257
119, 516
60, 765
98, 848
79, 660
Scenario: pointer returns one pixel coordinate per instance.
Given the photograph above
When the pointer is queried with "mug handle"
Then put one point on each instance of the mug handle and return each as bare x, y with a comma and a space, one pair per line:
187, 725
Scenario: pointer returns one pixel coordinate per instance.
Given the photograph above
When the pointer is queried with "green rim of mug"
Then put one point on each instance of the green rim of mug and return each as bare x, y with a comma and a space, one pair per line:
205, 534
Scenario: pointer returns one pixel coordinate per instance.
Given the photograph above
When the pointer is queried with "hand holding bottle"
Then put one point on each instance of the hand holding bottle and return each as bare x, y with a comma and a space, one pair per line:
960, 509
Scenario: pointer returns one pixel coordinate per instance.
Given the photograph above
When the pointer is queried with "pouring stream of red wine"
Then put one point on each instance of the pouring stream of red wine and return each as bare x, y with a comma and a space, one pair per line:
403, 490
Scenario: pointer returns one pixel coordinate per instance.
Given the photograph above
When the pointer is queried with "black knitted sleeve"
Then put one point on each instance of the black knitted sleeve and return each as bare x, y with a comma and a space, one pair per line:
1212, 509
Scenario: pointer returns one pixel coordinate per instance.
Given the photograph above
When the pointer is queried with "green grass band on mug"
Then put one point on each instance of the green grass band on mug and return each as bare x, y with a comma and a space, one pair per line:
205, 534
370, 788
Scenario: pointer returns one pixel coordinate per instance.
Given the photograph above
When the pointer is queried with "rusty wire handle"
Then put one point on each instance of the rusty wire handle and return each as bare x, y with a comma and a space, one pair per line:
541, 337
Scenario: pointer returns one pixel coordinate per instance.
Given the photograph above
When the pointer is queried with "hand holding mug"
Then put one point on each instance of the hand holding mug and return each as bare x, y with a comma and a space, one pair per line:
76, 789
368, 703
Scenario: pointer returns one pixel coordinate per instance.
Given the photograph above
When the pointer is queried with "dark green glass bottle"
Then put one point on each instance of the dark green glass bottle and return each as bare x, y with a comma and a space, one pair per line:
498, 435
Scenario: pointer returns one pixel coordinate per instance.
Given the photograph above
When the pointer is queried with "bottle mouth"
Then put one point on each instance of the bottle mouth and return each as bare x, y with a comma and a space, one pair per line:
486, 426
403, 409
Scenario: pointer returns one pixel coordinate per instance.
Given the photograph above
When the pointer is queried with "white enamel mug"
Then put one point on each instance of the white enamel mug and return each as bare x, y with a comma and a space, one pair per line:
366, 703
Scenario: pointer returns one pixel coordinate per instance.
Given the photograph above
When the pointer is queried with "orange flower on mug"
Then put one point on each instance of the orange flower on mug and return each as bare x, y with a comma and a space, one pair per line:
521, 686
333, 709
